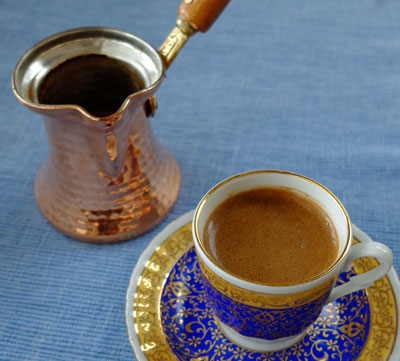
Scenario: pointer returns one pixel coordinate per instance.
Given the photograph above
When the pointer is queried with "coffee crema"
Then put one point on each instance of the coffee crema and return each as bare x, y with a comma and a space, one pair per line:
272, 235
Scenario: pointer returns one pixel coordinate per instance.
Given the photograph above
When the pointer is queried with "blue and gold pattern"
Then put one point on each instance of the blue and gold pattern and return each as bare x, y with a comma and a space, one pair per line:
270, 324
192, 331
341, 330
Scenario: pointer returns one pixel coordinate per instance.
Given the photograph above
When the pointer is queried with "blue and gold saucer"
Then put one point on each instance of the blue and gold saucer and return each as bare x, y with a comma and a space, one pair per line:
168, 317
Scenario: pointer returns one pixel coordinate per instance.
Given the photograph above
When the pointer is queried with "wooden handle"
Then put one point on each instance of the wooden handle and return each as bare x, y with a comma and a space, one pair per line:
201, 13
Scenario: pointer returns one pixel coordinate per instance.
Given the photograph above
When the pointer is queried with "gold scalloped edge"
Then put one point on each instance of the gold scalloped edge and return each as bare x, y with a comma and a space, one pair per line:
383, 319
146, 306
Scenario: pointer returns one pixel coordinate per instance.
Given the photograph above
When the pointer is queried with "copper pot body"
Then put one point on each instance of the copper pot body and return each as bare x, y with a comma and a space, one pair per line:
106, 178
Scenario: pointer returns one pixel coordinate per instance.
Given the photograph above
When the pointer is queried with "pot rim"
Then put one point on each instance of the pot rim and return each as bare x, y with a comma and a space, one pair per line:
45, 55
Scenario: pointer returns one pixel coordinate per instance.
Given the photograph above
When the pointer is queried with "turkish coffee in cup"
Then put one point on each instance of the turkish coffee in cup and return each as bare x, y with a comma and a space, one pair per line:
247, 233
270, 245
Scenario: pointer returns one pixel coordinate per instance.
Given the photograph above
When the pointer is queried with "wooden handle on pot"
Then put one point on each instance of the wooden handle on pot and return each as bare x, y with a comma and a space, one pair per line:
193, 16
201, 14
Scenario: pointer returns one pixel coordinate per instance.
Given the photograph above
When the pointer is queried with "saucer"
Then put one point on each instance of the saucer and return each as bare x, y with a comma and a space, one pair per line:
168, 317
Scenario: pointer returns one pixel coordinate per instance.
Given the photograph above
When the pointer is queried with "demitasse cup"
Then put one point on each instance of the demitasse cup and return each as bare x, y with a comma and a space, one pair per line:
265, 317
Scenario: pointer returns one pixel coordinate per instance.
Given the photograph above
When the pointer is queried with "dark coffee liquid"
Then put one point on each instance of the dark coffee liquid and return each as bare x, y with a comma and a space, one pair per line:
273, 236
97, 83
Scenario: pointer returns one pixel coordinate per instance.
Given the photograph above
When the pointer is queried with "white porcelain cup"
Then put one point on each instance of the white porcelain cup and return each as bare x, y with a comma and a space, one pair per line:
270, 318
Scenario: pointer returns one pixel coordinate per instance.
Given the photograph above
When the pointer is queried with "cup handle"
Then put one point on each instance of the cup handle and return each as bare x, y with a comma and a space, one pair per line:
364, 280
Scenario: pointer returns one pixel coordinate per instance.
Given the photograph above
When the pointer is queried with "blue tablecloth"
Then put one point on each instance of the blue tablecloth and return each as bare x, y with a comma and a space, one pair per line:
307, 86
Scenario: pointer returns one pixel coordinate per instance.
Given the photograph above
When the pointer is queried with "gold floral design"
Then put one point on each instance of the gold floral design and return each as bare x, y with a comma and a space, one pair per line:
261, 322
148, 310
196, 332
262, 300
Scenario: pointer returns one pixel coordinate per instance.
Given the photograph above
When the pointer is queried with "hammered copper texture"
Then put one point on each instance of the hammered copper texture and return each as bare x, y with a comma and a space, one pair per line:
106, 178
105, 183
